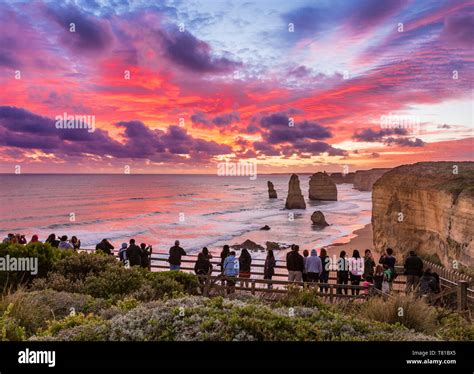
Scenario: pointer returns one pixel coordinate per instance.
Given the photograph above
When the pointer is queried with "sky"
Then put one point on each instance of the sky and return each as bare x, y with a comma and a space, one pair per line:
181, 86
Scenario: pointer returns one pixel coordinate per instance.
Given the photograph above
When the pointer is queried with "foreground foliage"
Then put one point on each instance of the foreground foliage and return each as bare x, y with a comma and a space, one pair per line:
85, 297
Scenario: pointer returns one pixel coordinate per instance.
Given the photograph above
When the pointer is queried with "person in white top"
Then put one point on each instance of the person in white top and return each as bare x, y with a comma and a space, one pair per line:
356, 269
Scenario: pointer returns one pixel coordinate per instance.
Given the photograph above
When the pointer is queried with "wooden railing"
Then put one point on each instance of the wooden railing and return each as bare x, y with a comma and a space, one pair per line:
212, 285
465, 295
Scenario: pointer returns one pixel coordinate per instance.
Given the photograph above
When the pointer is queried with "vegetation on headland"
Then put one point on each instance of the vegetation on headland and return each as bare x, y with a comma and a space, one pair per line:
84, 297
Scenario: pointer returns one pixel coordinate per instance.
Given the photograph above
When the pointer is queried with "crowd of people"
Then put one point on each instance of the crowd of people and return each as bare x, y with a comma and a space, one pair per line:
309, 267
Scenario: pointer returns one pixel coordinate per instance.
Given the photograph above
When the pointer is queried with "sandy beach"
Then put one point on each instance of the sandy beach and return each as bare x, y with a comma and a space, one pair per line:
361, 239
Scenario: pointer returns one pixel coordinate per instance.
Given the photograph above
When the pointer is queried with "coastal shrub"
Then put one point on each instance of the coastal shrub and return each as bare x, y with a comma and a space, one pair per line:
189, 281
57, 282
453, 326
32, 310
78, 327
115, 281
409, 311
47, 257
10, 329
83, 265
298, 296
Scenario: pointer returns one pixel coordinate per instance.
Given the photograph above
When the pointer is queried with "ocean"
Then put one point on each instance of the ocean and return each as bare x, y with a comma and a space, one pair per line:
199, 210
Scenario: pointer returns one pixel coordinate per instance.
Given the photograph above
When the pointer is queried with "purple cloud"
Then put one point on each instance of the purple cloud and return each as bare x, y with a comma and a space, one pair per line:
193, 54
22, 129
91, 34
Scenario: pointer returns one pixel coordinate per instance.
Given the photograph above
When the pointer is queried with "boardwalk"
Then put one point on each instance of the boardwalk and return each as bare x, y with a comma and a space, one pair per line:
455, 287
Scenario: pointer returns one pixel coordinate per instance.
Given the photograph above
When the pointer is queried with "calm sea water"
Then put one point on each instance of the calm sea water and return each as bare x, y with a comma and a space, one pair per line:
199, 210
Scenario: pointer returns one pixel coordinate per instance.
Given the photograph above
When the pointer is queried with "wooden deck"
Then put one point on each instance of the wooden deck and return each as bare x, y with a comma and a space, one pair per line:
457, 287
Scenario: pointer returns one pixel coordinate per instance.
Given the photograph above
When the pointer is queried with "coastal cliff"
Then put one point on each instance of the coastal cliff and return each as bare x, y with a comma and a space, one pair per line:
322, 187
365, 179
428, 208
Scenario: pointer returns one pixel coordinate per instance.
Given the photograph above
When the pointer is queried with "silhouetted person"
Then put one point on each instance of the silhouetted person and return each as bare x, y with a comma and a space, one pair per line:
175, 256
305, 257
413, 271
105, 246
134, 254
52, 240
294, 264
269, 267
225, 252
206, 253
245, 264
64, 244
231, 270
145, 253
76, 243
342, 272
356, 269
34, 239
369, 264
202, 266
325, 265
122, 253
313, 266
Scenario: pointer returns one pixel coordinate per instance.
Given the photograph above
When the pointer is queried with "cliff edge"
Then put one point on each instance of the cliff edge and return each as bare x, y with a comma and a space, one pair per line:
427, 207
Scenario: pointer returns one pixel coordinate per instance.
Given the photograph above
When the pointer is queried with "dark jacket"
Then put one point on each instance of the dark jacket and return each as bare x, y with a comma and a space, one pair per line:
369, 265
342, 269
245, 262
427, 285
203, 266
175, 255
134, 255
105, 247
413, 266
269, 267
325, 265
145, 257
390, 261
294, 261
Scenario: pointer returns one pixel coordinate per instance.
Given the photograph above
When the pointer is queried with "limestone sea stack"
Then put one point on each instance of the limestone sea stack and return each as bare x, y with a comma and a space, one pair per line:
322, 187
295, 199
272, 194
365, 179
318, 219
340, 178
428, 208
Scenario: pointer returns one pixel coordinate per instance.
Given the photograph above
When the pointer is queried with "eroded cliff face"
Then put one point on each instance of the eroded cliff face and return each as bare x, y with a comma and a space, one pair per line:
428, 208
365, 179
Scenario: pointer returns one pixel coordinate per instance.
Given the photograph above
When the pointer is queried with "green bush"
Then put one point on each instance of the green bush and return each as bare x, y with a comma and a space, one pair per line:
83, 265
114, 281
189, 282
83, 327
298, 296
10, 329
32, 310
202, 319
453, 326
47, 257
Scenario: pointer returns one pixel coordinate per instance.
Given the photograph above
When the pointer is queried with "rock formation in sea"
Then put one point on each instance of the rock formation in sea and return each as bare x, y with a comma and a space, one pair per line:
265, 228
340, 178
365, 179
428, 208
272, 194
295, 199
318, 219
322, 187
249, 245
276, 246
